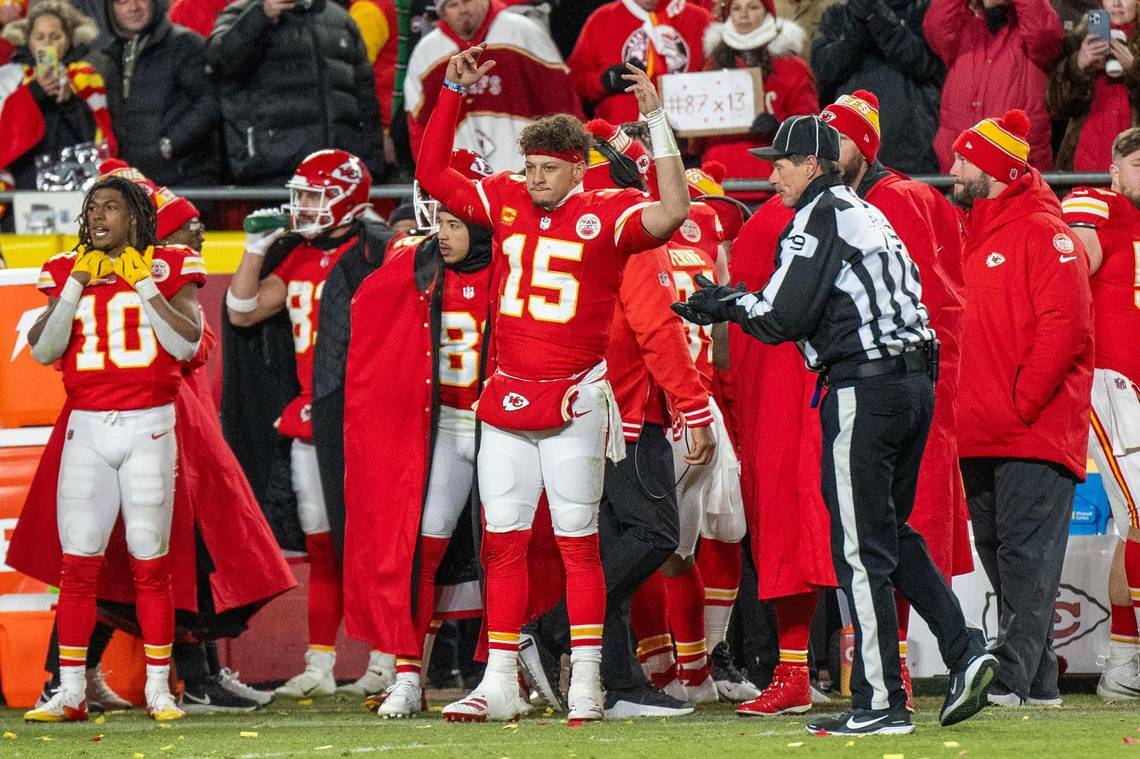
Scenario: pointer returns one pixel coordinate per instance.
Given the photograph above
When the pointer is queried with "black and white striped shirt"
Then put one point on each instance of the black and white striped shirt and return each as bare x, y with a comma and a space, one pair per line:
844, 287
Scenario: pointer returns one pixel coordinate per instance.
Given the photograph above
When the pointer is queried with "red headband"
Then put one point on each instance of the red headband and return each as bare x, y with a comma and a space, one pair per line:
570, 156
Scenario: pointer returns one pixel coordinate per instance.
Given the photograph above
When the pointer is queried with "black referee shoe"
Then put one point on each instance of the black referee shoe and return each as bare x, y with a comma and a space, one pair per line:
643, 701
966, 691
864, 722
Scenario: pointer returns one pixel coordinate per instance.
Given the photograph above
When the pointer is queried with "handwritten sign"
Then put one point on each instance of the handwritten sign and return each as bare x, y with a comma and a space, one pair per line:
712, 102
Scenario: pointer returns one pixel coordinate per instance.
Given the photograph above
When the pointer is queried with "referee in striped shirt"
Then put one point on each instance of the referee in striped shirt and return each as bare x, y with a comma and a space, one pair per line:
848, 294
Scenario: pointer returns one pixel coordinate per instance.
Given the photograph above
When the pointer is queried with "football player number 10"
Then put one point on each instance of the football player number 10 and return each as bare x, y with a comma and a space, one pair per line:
565, 284
92, 358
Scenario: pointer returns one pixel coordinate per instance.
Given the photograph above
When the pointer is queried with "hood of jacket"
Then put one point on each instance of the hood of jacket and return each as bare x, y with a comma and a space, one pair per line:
1028, 195
791, 39
158, 25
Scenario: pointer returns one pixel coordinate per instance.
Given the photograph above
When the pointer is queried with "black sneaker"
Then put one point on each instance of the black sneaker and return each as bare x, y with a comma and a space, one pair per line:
966, 690
643, 701
730, 684
214, 698
541, 669
864, 722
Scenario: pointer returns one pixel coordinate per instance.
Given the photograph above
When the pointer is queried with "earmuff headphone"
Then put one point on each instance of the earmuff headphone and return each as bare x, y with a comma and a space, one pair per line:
623, 169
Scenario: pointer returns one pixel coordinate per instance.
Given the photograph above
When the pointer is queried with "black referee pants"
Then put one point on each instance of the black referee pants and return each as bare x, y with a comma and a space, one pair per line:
874, 433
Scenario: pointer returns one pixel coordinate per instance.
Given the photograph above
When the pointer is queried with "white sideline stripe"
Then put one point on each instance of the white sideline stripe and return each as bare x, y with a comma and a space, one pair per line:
860, 584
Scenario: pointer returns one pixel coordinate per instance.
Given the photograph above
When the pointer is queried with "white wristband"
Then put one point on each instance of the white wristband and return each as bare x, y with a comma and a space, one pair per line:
147, 288
71, 291
241, 305
661, 135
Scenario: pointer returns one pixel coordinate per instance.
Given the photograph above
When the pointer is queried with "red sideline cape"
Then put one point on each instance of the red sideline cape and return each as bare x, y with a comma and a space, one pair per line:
387, 433
210, 489
778, 434
932, 231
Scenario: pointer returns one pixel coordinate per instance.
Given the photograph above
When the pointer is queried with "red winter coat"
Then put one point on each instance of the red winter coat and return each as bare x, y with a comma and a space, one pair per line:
932, 231
197, 15
1027, 355
989, 74
779, 435
612, 35
649, 351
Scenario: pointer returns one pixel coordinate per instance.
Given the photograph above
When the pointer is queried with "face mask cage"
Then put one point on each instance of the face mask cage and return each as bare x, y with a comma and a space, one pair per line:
426, 210
322, 215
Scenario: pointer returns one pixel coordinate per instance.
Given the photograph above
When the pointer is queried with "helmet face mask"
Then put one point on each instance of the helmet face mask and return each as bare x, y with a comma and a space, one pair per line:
426, 209
329, 189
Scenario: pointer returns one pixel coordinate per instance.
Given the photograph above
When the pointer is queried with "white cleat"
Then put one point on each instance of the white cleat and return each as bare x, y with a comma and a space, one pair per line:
585, 700
101, 694
231, 681
380, 675
162, 706
1121, 683
496, 698
402, 699
704, 693
316, 680
61, 707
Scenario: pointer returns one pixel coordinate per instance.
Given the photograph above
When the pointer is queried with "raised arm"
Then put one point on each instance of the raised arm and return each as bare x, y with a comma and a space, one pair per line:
433, 170
663, 218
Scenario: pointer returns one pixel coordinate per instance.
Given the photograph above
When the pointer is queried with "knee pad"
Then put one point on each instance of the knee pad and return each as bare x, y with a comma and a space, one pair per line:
574, 520
145, 481
577, 480
504, 514
80, 535
145, 541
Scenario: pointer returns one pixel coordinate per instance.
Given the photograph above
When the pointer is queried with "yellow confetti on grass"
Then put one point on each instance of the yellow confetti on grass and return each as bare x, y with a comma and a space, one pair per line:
166, 748
100, 720
892, 756
137, 755
247, 734
9, 735
629, 722
44, 738
305, 702
511, 726
950, 744
850, 744
797, 744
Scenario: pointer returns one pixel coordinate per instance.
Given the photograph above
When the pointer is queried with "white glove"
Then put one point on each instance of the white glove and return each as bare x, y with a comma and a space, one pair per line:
259, 243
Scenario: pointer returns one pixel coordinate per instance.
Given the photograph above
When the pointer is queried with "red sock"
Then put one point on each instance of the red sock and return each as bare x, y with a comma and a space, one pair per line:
1132, 572
648, 613
687, 621
902, 611
75, 610
1122, 627
585, 594
154, 605
431, 554
326, 600
793, 618
720, 569
505, 569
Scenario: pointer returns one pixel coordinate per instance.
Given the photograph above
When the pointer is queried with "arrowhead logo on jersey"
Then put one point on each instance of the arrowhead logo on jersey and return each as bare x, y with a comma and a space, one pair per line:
159, 270
995, 259
588, 227
544, 223
691, 231
468, 292
514, 402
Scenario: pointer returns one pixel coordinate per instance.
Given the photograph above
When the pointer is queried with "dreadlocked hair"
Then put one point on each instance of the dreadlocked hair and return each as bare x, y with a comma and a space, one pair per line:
145, 230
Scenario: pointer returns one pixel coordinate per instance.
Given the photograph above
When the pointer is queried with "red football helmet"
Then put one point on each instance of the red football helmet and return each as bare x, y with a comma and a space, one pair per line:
340, 183
468, 163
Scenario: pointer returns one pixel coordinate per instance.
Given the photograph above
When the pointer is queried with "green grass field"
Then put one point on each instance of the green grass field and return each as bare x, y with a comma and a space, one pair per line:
1084, 728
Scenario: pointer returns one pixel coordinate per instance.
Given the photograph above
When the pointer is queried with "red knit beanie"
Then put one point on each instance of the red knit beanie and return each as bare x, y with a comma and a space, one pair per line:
857, 116
172, 211
999, 147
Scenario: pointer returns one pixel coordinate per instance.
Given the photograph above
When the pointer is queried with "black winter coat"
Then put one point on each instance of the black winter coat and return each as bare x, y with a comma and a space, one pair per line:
292, 87
878, 45
171, 95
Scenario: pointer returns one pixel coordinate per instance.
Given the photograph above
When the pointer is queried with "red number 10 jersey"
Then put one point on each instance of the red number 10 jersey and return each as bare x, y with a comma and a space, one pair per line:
114, 362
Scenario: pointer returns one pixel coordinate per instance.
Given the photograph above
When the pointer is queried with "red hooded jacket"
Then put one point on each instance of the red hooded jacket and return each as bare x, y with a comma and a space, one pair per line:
1027, 354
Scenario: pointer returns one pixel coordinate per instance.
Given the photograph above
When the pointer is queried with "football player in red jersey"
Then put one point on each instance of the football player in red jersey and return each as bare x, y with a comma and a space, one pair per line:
1108, 223
122, 314
329, 192
414, 432
548, 412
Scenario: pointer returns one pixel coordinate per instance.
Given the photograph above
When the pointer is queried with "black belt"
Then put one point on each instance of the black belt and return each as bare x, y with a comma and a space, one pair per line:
920, 360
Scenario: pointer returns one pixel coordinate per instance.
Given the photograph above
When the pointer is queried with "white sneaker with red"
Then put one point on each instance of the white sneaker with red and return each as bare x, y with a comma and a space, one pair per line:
584, 697
495, 698
63, 706
162, 706
788, 693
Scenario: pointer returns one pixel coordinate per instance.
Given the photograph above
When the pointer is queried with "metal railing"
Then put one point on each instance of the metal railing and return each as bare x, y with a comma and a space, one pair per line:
398, 191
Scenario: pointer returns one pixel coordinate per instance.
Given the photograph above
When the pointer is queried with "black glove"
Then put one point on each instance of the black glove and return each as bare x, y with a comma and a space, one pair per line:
710, 303
612, 78
764, 125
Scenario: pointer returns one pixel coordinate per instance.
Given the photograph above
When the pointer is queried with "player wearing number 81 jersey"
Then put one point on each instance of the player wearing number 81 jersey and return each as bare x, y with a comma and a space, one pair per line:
1108, 223
548, 412
122, 315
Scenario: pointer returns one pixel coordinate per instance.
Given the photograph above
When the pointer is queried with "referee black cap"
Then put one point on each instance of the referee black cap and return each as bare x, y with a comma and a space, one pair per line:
802, 135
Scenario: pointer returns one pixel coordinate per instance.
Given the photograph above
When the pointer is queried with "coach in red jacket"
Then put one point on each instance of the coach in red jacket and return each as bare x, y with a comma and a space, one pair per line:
1027, 362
